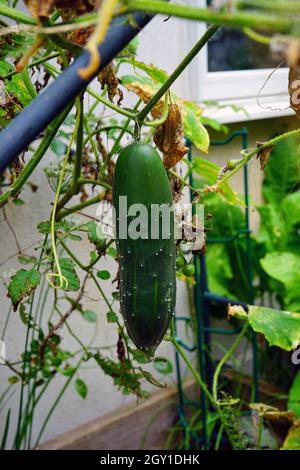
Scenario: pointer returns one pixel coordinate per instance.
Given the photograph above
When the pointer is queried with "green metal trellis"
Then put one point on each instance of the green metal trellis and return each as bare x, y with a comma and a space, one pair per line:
203, 298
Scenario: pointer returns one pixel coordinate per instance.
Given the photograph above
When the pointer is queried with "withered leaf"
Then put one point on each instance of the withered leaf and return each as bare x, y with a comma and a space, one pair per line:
169, 137
40, 8
145, 92
263, 154
107, 77
70, 8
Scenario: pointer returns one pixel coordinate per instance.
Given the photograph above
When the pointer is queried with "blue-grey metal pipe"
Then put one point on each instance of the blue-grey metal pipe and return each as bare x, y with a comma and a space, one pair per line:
30, 122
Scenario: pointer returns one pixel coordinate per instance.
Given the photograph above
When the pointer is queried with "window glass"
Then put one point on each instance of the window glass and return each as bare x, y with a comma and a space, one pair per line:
231, 49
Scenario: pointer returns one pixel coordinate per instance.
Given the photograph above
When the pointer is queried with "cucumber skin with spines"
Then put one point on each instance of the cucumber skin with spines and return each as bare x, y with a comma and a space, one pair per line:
147, 266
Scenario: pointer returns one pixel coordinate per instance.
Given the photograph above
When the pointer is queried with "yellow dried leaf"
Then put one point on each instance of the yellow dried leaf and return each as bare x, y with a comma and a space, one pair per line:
145, 92
169, 137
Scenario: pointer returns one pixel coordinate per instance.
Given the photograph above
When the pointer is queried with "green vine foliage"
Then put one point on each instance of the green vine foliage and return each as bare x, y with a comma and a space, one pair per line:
85, 141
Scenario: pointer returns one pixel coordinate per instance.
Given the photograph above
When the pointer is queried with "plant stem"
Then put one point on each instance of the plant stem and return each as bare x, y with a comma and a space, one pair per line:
177, 72
194, 372
104, 184
28, 83
123, 131
278, 6
16, 15
223, 361
33, 64
35, 160
93, 145
110, 105
269, 143
237, 19
82, 205
56, 403
260, 430
105, 129
79, 145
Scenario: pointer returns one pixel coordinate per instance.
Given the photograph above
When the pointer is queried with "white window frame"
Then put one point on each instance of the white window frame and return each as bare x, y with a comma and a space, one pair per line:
237, 87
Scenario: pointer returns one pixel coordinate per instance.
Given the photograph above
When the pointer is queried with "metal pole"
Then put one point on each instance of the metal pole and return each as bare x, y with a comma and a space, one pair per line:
30, 122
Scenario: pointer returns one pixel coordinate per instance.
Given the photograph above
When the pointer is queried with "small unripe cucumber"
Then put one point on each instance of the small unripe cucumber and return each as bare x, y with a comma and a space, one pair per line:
147, 265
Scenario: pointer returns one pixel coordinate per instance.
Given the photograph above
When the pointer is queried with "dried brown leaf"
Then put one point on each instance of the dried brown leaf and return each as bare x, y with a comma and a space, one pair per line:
40, 8
169, 137
109, 78
69, 8
263, 154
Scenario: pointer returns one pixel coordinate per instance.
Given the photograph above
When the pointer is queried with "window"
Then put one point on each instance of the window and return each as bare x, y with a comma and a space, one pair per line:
232, 70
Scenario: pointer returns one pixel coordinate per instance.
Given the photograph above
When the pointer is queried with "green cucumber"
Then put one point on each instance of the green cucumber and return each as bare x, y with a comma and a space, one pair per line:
147, 264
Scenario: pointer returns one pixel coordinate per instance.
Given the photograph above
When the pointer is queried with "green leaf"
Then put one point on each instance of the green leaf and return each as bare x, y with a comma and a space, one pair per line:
18, 201
285, 268
273, 230
152, 380
103, 275
208, 172
163, 365
193, 127
68, 271
219, 272
45, 226
282, 266
156, 74
22, 284
5, 68
140, 356
282, 171
13, 379
116, 295
96, 236
281, 328
290, 208
23, 315
294, 396
90, 316
216, 125
26, 259
17, 87
58, 147
111, 317
81, 388
292, 441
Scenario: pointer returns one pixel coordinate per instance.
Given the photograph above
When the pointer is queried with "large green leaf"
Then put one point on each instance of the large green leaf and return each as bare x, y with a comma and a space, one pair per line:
290, 208
281, 328
294, 396
22, 284
282, 171
285, 268
282, 266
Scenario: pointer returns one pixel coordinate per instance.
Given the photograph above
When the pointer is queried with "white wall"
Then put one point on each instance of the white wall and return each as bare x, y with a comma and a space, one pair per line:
163, 43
